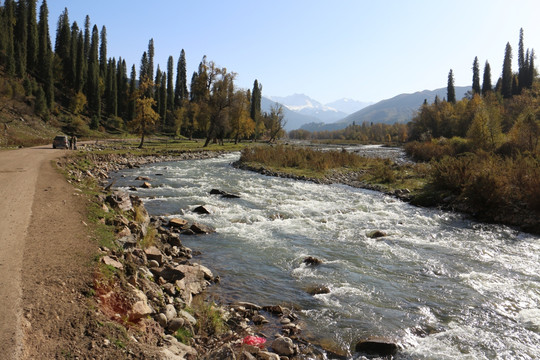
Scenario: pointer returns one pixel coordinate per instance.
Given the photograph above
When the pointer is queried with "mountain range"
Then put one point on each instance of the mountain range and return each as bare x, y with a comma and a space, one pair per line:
303, 112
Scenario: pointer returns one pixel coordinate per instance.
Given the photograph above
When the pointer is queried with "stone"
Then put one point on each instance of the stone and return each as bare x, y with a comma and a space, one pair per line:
170, 312
223, 353
174, 240
146, 185
283, 346
178, 223
259, 320
310, 260
175, 324
201, 229
265, 355
375, 234
175, 350
247, 305
153, 264
318, 289
168, 273
107, 260
247, 356
274, 309
140, 309
216, 192
161, 318
201, 210
142, 178
128, 242
125, 231
153, 253
187, 317
377, 346
119, 200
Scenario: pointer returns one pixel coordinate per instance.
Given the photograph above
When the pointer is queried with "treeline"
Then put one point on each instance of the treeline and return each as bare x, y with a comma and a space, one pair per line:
366, 133
89, 90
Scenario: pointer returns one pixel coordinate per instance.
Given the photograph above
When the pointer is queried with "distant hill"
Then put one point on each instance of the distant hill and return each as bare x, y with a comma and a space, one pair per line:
399, 109
348, 106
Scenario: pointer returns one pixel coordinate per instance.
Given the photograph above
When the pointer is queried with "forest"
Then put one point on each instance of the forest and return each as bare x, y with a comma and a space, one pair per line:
77, 87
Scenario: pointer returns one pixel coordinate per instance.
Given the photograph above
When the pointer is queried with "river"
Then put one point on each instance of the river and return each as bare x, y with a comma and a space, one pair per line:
443, 286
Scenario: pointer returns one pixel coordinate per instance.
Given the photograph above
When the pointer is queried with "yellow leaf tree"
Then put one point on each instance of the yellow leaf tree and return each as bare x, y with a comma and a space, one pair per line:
145, 116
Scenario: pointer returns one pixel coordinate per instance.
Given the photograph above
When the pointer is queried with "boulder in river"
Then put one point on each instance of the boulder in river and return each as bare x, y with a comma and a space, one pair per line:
310, 260
201, 210
223, 194
178, 223
318, 289
201, 229
377, 346
374, 234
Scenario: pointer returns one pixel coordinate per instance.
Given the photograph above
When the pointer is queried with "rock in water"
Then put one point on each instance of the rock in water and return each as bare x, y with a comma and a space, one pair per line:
310, 260
375, 234
201, 210
377, 346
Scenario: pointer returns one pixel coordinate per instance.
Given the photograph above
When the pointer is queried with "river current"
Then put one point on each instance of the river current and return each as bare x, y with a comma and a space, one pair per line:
443, 286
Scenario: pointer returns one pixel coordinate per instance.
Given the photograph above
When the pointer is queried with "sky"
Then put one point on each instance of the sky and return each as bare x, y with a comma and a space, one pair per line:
362, 50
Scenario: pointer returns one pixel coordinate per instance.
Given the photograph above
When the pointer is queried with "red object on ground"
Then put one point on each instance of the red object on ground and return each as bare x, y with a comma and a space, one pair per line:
254, 340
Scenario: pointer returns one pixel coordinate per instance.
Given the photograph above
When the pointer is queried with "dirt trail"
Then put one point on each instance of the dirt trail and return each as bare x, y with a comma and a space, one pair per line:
38, 211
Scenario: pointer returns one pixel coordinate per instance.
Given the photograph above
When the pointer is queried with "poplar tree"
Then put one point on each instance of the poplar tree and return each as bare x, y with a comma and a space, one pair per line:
507, 76
256, 95
486, 84
170, 82
32, 37
476, 77
181, 90
450, 90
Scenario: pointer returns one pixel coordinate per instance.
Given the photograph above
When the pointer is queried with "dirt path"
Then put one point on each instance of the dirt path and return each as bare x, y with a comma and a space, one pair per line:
38, 257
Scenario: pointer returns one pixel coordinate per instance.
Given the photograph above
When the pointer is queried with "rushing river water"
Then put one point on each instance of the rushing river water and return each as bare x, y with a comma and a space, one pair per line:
444, 287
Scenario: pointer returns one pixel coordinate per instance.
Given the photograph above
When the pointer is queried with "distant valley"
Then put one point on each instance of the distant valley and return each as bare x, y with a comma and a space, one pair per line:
303, 112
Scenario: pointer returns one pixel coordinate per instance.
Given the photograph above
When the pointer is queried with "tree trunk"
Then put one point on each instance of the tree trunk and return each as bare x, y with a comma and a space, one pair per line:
142, 141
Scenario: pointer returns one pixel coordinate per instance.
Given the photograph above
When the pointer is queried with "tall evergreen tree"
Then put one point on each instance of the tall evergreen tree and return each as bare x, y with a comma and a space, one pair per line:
80, 64
121, 87
32, 37
20, 38
450, 90
73, 54
181, 90
532, 71
522, 63
476, 77
103, 53
163, 98
45, 55
486, 84
256, 96
143, 71
132, 93
150, 54
507, 76
170, 84
8, 15
87, 36
63, 41
93, 95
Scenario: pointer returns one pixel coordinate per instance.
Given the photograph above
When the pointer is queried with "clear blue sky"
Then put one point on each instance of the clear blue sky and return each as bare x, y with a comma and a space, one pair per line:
364, 50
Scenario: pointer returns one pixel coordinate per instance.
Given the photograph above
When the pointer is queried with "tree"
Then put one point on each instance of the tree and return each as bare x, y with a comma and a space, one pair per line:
275, 122
93, 91
150, 54
62, 46
7, 32
450, 90
242, 126
145, 116
486, 84
507, 76
256, 95
45, 68
132, 94
20, 38
181, 91
32, 39
532, 71
476, 77
103, 53
170, 82
523, 64
80, 65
